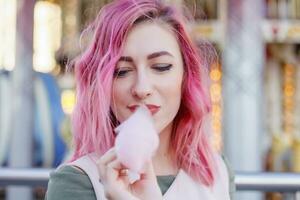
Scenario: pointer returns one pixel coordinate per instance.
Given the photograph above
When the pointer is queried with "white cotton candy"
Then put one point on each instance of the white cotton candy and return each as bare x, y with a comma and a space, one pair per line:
137, 140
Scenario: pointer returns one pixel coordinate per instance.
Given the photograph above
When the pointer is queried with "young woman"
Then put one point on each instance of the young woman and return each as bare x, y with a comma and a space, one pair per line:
142, 54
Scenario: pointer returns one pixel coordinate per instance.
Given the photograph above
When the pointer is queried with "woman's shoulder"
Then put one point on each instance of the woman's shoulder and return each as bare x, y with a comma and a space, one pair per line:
227, 164
222, 162
68, 171
69, 182
231, 176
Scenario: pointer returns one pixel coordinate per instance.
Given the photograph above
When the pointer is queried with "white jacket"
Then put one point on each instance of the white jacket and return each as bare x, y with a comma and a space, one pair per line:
183, 187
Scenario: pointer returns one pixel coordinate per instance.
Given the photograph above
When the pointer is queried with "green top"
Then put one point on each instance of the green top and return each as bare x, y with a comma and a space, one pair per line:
68, 183
164, 182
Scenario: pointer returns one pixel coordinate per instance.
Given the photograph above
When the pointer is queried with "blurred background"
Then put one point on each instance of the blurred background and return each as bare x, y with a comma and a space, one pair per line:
255, 86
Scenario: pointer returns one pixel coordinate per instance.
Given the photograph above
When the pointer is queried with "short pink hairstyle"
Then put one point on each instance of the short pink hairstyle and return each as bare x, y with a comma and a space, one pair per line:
93, 121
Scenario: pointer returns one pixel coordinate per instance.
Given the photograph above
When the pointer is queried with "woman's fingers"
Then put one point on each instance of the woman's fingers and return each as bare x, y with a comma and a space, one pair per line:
102, 163
107, 157
123, 172
114, 176
149, 171
110, 169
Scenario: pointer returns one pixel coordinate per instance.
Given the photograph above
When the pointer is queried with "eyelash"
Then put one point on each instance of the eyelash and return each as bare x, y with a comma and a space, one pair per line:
162, 68
119, 73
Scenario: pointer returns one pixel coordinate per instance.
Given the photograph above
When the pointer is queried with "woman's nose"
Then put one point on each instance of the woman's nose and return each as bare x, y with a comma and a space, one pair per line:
142, 87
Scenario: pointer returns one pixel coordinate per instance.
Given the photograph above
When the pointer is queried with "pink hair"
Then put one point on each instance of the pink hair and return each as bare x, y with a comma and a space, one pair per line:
93, 122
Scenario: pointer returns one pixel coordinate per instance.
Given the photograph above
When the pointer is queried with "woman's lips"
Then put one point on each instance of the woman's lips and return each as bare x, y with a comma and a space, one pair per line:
152, 108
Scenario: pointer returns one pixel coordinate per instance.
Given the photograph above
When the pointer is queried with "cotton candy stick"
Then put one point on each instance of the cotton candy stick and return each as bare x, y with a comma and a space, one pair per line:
137, 140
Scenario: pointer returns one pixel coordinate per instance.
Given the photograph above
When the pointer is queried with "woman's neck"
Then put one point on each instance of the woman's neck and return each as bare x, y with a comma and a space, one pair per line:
163, 161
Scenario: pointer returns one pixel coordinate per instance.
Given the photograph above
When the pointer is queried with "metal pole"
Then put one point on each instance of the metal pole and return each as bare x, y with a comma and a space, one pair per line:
26, 177
267, 181
244, 181
243, 85
23, 102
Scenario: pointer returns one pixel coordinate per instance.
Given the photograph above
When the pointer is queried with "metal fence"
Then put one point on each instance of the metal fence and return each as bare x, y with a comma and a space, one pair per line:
245, 181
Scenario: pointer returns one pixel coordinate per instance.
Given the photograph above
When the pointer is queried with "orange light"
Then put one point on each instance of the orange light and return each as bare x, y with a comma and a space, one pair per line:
215, 75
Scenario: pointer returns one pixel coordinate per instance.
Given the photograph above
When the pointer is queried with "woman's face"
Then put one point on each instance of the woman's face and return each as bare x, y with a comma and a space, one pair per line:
149, 72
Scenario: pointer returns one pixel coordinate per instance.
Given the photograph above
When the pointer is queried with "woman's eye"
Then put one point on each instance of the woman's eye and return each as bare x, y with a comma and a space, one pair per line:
162, 67
121, 72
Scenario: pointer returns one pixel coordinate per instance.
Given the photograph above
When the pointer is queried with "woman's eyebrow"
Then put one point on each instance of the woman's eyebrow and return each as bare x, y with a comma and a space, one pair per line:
151, 56
126, 59
157, 54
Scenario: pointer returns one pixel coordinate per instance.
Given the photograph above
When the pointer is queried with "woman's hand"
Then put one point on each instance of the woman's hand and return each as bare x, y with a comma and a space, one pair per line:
116, 184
